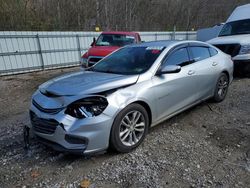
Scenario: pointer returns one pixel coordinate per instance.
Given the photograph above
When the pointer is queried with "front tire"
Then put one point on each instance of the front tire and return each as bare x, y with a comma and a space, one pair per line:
129, 128
221, 88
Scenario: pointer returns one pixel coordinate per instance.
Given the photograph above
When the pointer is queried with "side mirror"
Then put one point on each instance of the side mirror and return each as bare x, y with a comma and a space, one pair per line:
169, 69
94, 41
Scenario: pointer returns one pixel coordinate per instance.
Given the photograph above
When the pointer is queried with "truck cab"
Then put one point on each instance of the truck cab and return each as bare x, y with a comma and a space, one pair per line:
105, 44
234, 39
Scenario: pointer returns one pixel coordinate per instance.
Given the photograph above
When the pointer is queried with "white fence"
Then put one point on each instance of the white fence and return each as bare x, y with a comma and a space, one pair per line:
31, 51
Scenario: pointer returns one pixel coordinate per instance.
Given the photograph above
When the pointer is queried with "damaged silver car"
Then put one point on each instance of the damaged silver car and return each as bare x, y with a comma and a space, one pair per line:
115, 102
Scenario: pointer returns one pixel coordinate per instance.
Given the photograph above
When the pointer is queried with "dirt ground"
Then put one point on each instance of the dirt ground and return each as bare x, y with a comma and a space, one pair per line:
206, 146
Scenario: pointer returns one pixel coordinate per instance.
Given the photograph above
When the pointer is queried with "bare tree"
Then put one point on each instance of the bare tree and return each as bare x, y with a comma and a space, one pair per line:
160, 15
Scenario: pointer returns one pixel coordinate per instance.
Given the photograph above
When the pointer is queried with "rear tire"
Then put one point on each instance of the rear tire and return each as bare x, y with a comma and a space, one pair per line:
221, 88
129, 128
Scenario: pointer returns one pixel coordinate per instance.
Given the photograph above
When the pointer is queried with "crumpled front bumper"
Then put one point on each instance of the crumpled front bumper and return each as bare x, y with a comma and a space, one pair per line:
68, 134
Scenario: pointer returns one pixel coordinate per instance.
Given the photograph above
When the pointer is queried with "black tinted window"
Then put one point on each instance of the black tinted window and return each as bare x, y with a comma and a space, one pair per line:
236, 28
200, 53
178, 57
114, 40
213, 52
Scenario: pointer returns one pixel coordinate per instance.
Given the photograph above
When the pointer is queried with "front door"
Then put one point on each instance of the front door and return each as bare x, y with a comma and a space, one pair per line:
176, 90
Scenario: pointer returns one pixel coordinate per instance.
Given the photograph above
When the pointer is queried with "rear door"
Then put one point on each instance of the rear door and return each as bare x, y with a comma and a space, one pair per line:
205, 67
176, 90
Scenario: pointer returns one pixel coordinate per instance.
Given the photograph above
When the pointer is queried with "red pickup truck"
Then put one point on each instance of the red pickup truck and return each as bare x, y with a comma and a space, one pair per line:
106, 43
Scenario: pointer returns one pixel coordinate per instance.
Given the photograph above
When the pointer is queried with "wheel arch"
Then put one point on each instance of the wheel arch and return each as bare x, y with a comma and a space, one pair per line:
226, 72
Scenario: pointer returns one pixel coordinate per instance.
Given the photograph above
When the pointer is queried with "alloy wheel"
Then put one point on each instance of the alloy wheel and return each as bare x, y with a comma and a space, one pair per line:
132, 128
222, 86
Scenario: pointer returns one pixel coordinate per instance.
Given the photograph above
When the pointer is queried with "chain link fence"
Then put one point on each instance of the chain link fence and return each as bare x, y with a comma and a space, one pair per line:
22, 52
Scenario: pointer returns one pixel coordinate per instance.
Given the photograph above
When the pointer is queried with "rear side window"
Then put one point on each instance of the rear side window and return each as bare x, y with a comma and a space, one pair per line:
200, 53
178, 57
213, 51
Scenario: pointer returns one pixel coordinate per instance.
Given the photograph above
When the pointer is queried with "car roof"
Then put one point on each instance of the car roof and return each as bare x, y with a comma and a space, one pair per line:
120, 32
161, 43
166, 43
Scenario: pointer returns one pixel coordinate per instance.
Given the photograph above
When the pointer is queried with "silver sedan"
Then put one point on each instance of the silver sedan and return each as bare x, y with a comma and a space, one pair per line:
115, 102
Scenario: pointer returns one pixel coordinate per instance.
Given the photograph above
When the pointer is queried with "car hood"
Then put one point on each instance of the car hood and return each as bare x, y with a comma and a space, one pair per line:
86, 83
101, 50
241, 39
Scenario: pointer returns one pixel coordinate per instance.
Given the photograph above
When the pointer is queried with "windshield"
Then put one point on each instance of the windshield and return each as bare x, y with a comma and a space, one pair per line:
129, 60
236, 28
114, 40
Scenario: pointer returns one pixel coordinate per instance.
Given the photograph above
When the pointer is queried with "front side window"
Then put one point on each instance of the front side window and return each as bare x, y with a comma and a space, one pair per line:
178, 57
114, 40
129, 60
199, 53
236, 28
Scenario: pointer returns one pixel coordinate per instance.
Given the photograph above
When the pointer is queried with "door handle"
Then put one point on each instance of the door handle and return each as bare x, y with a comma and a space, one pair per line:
214, 63
191, 72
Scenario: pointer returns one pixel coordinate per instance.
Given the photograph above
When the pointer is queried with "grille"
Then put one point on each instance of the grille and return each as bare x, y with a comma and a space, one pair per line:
48, 111
231, 49
91, 64
46, 126
95, 59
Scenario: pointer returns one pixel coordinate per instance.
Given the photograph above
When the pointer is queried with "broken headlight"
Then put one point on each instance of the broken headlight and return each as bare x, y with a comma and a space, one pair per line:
87, 107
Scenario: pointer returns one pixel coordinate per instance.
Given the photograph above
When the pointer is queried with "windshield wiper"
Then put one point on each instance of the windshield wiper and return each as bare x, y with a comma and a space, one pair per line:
110, 71
104, 71
89, 69
223, 35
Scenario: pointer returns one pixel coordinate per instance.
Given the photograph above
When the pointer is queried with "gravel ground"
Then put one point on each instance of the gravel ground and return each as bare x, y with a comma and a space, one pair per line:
206, 146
